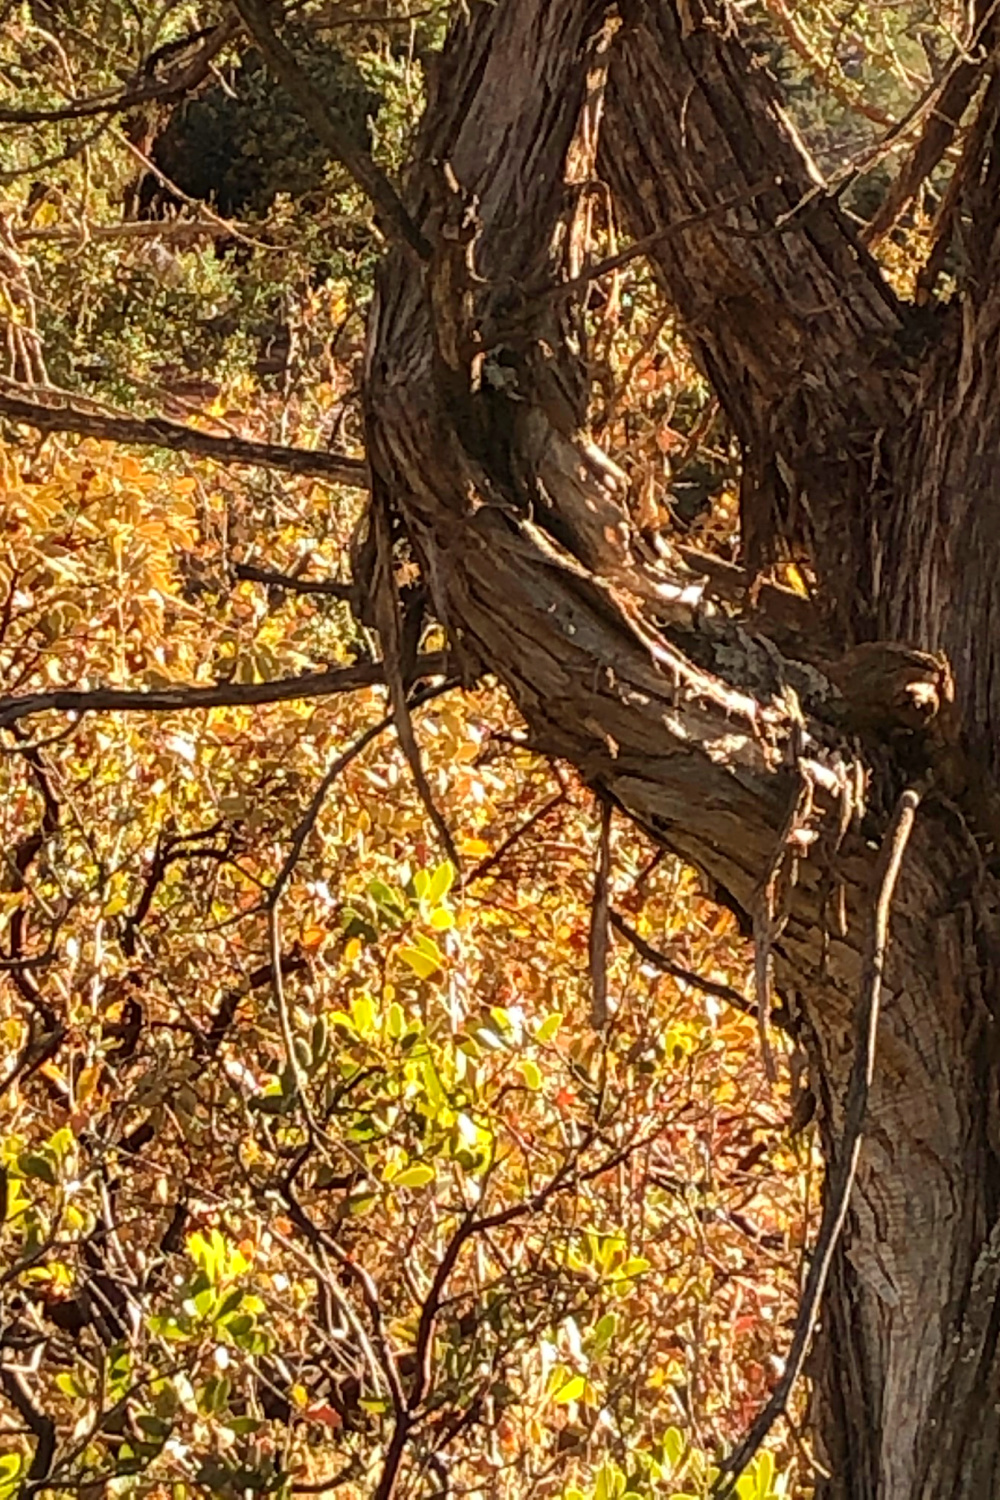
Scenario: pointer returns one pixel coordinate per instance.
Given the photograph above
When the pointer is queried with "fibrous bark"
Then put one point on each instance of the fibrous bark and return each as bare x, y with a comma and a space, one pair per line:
871, 444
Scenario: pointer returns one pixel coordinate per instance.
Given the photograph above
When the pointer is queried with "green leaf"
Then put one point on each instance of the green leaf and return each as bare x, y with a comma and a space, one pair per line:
393, 902
34, 1165
635, 1266
416, 1176
204, 1302
428, 946
230, 1302
604, 1331
610, 1482
70, 1386
673, 1446
319, 1041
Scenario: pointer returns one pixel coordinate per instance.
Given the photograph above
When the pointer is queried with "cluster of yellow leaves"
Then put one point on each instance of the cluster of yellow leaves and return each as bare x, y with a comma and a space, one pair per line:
203, 1149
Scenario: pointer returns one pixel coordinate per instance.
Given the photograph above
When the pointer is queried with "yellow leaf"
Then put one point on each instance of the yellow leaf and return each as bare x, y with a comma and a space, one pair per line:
419, 1175
86, 1083
531, 1073
422, 964
795, 581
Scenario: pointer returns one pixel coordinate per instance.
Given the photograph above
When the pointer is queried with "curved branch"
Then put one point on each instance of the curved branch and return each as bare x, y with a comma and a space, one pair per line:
788, 314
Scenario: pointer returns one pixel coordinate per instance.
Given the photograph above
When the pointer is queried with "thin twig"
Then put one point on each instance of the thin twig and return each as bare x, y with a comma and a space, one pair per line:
598, 943
769, 917
942, 125
292, 585
669, 231
658, 960
164, 90
491, 861
397, 671
304, 827
307, 822
128, 229
845, 1165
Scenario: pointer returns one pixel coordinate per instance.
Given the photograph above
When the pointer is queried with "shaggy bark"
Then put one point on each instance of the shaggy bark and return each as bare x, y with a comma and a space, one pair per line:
871, 444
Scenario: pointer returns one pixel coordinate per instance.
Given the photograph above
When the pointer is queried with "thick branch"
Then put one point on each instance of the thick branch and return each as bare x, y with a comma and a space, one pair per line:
291, 584
789, 316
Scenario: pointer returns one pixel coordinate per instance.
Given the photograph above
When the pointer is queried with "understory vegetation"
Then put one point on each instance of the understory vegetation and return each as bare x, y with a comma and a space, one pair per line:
340, 1154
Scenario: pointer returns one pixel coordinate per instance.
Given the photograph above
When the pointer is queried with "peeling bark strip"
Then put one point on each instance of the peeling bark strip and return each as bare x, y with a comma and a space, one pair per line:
694, 725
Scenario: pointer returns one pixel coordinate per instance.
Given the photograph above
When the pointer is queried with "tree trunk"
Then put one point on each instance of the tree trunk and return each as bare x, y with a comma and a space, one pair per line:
871, 437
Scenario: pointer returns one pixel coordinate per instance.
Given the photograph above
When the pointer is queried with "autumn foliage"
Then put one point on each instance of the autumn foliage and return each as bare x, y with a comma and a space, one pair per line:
321, 1173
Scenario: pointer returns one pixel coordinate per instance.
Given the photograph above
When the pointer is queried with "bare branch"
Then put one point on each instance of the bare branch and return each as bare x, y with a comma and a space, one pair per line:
213, 695
175, 230
658, 960
58, 412
293, 585
307, 822
398, 674
599, 926
953, 95
491, 861
41, 1426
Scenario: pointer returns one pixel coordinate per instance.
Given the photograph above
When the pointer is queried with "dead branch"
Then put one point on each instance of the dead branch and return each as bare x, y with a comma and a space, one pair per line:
58, 412
491, 861
658, 960
941, 127
293, 585
598, 942
397, 669
213, 695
